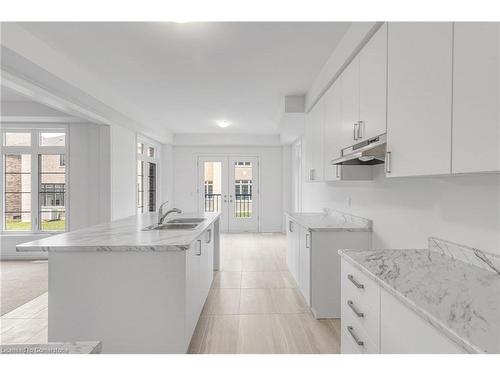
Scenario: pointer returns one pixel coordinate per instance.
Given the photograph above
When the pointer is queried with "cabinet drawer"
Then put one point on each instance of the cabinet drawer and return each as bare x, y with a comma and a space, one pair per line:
355, 340
356, 286
368, 318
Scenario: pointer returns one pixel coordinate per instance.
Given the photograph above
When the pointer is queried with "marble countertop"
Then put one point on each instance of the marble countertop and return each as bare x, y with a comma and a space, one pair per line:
124, 235
332, 221
458, 298
79, 347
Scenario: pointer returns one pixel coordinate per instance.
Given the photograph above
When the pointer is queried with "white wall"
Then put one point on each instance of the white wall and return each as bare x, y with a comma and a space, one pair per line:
89, 177
167, 181
406, 211
270, 158
123, 172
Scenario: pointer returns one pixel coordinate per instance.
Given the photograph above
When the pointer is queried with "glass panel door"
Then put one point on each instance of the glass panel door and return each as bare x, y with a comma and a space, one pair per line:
213, 187
243, 197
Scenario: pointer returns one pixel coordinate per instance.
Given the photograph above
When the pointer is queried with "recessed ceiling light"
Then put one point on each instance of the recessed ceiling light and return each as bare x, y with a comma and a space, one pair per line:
223, 123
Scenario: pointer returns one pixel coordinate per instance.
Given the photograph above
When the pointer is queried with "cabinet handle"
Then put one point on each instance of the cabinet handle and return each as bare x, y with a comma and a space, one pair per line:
353, 308
311, 174
337, 171
354, 336
290, 227
308, 240
387, 162
353, 280
198, 253
209, 232
355, 134
360, 129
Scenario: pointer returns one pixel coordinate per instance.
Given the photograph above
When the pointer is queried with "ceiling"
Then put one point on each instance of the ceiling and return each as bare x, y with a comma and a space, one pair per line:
185, 77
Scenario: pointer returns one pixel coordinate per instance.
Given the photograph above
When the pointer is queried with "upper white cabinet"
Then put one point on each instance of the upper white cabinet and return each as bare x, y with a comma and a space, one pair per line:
476, 101
349, 82
333, 124
419, 98
314, 135
373, 85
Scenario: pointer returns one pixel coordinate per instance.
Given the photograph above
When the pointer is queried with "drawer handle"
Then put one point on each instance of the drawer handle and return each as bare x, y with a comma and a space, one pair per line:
353, 280
353, 308
353, 334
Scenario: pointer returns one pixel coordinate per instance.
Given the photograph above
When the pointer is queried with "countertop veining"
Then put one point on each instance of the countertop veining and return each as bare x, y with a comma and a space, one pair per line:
458, 298
331, 220
124, 235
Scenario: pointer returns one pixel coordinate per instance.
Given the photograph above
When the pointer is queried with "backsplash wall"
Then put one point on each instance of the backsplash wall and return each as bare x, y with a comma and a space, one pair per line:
406, 211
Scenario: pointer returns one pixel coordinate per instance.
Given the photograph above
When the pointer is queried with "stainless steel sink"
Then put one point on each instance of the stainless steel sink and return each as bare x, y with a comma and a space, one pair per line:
172, 226
189, 220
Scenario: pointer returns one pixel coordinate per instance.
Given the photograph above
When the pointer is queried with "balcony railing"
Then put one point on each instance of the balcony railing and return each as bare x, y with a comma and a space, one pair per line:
212, 202
242, 204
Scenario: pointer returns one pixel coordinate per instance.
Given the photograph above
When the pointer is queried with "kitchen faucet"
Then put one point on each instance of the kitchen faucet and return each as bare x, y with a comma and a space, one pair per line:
162, 216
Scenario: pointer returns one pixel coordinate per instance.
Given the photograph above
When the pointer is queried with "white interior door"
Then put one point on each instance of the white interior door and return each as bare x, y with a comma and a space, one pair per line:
229, 185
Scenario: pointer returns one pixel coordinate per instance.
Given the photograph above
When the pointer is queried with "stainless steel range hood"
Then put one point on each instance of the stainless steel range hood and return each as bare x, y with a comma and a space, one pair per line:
368, 152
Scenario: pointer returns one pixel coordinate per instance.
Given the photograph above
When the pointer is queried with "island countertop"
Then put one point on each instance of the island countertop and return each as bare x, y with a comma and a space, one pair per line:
124, 235
330, 221
459, 299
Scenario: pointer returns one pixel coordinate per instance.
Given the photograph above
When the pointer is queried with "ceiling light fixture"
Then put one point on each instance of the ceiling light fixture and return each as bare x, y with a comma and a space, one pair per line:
223, 123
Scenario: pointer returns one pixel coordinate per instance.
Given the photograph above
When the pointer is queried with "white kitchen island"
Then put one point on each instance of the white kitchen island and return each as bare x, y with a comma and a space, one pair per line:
135, 291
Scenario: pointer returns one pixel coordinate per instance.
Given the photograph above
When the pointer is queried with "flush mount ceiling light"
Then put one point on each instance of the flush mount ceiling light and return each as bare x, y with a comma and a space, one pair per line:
223, 123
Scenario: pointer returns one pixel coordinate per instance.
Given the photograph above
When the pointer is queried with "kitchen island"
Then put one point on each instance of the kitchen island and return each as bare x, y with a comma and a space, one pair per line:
135, 290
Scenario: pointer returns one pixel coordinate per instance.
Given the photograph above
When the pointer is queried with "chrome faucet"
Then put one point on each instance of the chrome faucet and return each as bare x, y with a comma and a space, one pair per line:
162, 216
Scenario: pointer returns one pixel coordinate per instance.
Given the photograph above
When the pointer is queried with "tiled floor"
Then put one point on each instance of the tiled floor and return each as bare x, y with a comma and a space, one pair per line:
253, 307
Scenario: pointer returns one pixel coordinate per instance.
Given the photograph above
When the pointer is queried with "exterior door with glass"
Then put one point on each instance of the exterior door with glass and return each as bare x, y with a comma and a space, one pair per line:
229, 185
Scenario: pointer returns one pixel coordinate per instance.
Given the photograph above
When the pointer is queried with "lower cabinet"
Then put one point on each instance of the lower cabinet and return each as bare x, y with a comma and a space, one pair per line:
314, 262
199, 277
373, 321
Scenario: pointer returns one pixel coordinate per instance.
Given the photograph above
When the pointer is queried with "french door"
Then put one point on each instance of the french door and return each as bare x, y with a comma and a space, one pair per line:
230, 185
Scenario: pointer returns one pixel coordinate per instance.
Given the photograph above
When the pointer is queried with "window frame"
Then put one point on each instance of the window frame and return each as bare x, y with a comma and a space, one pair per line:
34, 150
144, 158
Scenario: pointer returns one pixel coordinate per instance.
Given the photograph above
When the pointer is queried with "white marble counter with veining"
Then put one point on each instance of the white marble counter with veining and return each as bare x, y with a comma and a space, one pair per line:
458, 298
124, 235
331, 220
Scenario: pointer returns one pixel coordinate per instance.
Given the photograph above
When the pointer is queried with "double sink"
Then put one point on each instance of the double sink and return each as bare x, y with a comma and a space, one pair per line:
183, 223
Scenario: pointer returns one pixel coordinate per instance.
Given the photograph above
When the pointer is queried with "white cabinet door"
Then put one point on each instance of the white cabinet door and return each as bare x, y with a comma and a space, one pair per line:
206, 264
193, 289
349, 81
314, 142
333, 126
419, 98
292, 251
476, 100
373, 85
305, 242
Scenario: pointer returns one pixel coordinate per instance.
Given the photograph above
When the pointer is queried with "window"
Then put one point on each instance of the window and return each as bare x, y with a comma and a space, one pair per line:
209, 187
146, 177
243, 187
34, 180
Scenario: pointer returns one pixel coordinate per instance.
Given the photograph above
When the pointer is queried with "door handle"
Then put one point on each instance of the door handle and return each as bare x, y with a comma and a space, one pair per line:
361, 129
354, 336
353, 308
353, 280
388, 162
